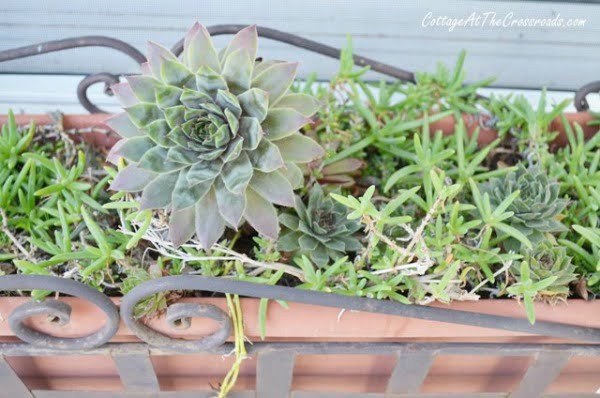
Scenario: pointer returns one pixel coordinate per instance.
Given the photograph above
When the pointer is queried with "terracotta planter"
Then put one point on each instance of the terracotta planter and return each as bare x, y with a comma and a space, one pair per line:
446, 125
360, 374
304, 323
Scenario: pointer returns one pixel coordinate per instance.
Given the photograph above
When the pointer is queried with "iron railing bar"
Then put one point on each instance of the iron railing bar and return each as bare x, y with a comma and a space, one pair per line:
294, 394
410, 371
328, 394
10, 383
71, 43
290, 294
332, 348
136, 371
274, 372
134, 394
541, 374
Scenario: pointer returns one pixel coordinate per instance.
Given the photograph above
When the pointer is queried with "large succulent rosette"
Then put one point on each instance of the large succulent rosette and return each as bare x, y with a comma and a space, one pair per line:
213, 138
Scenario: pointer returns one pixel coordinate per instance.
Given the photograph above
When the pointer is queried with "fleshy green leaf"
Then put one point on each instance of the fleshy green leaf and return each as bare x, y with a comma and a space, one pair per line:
237, 71
305, 104
182, 225
274, 187
199, 49
209, 81
204, 171
158, 193
184, 195
299, 149
293, 174
266, 157
156, 54
144, 87
251, 132
246, 40
124, 94
143, 114
283, 122
132, 179
134, 148
261, 214
168, 96
276, 80
237, 174
255, 103
209, 224
231, 206
156, 160
122, 125
157, 131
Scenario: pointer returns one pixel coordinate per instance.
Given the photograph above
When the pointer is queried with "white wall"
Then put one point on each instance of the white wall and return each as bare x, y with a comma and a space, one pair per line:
388, 30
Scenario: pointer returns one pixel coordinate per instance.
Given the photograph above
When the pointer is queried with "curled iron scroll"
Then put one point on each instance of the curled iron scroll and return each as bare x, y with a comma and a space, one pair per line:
580, 100
58, 311
289, 294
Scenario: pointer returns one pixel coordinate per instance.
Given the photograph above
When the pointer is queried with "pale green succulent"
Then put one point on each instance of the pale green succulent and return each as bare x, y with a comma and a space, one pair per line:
536, 209
321, 229
214, 137
549, 261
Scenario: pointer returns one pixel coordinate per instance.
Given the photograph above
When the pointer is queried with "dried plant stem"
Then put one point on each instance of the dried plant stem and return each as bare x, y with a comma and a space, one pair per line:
370, 227
13, 238
504, 268
418, 234
165, 248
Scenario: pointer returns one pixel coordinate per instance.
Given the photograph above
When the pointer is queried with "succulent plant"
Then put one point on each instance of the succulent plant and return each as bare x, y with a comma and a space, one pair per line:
320, 229
337, 174
546, 261
213, 138
537, 207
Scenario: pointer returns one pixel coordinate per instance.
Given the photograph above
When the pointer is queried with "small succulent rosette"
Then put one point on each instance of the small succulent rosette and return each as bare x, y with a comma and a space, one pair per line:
214, 137
536, 209
321, 230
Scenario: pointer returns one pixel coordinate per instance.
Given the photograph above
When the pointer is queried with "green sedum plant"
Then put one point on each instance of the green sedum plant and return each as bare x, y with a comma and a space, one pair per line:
213, 137
537, 207
319, 229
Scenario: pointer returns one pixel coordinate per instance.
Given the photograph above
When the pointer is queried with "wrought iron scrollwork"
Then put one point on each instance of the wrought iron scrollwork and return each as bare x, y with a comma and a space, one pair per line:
580, 100
215, 30
289, 294
78, 42
58, 311
178, 316
307, 44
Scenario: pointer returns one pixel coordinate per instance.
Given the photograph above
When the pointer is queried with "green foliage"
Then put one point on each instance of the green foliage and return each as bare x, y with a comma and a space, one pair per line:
527, 289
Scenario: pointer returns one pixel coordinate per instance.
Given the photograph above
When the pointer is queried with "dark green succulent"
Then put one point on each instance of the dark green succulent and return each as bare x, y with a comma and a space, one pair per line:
536, 209
320, 230
213, 138
547, 261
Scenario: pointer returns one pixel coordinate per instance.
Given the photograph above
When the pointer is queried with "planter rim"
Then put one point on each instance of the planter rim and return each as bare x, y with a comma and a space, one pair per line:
303, 322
